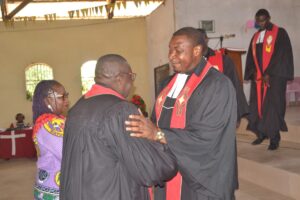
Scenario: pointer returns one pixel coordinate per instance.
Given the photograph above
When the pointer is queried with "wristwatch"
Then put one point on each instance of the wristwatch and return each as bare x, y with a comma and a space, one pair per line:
159, 135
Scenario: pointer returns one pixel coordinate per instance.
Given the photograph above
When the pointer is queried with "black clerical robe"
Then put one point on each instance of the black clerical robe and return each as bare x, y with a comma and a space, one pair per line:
230, 71
280, 69
100, 159
205, 149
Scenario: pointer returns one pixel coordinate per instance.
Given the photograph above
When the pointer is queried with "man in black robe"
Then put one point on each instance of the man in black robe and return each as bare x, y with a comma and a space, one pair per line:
227, 67
100, 160
195, 116
269, 66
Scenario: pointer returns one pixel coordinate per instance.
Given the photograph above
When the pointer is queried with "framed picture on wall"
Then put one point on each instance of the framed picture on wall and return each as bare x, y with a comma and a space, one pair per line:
208, 25
160, 73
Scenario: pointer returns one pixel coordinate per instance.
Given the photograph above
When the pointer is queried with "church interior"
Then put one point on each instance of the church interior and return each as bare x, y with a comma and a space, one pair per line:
67, 39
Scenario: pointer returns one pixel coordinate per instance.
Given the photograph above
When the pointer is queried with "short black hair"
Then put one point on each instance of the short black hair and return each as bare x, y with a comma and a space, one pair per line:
103, 63
262, 12
19, 114
203, 31
197, 37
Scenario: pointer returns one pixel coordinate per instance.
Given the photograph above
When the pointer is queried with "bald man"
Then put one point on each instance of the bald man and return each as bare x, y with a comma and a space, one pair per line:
100, 159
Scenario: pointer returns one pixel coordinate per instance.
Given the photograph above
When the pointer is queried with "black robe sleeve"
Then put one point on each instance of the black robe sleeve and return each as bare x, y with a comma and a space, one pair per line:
230, 72
250, 65
282, 63
148, 163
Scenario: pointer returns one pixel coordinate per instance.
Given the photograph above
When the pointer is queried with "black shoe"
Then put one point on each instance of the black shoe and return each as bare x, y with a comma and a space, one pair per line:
273, 146
274, 142
258, 141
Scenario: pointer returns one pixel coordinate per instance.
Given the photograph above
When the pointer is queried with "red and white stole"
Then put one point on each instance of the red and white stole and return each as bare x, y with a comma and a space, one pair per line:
178, 119
268, 49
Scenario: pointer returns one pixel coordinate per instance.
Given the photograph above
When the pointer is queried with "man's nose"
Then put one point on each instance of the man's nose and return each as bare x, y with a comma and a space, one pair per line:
171, 55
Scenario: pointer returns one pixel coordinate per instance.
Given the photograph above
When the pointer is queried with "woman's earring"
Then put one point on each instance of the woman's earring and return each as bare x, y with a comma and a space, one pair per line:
50, 107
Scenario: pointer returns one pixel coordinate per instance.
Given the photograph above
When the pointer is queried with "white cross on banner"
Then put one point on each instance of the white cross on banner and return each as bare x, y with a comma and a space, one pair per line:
13, 138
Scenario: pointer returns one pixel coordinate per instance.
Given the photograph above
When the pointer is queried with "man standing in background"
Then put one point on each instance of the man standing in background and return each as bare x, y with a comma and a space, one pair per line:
226, 66
269, 66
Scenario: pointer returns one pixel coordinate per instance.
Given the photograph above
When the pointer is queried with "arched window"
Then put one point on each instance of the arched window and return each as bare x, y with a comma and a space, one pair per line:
87, 75
34, 73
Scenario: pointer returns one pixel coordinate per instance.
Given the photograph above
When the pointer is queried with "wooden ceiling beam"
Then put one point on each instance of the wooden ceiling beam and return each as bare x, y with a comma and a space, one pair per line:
8, 16
4, 8
55, 1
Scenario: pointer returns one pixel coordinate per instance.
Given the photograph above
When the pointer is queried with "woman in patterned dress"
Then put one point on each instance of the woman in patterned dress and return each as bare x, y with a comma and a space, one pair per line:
50, 100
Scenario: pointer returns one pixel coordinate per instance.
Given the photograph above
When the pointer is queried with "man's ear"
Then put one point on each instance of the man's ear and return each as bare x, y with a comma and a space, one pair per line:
198, 50
117, 84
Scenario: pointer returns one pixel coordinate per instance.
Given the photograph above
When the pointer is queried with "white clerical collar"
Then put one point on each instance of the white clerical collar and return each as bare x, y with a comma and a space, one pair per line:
178, 85
261, 36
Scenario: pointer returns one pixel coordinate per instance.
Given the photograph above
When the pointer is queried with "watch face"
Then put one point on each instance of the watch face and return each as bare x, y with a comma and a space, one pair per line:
160, 135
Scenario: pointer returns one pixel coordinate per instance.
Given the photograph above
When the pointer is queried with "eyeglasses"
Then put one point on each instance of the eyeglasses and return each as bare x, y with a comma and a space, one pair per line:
59, 96
131, 74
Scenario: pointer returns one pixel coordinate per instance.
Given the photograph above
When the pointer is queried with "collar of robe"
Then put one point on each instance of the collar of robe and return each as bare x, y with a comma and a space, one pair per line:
198, 69
268, 27
209, 53
97, 89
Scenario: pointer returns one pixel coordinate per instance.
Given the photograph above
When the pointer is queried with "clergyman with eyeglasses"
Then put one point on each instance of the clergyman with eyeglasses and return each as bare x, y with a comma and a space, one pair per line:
100, 159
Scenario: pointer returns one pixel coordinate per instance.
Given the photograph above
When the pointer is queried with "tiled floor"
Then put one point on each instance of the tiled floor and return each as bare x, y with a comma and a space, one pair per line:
16, 179
250, 191
293, 115
286, 157
17, 175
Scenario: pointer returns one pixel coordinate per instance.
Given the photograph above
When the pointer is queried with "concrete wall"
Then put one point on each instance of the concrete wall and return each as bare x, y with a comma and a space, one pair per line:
143, 41
230, 17
160, 26
65, 46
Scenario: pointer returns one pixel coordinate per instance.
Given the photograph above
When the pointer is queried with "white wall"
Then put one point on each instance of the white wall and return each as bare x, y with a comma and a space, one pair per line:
65, 46
143, 42
231, 16
160, 27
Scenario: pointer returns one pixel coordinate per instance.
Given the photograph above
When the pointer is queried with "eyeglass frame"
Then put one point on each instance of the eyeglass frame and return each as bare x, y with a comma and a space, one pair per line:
131, 74
55, 95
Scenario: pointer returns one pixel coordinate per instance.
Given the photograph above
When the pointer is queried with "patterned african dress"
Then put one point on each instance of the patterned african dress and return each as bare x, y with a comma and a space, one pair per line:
48, 139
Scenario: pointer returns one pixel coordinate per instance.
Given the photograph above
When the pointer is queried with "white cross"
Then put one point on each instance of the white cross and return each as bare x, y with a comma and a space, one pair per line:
13, 138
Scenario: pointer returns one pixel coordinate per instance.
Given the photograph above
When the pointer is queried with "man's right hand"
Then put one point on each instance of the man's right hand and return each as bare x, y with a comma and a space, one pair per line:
142, 127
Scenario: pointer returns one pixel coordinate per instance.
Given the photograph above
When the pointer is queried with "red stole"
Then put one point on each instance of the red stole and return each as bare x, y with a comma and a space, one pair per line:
268, 49
178, 119
217, 60
101, 90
